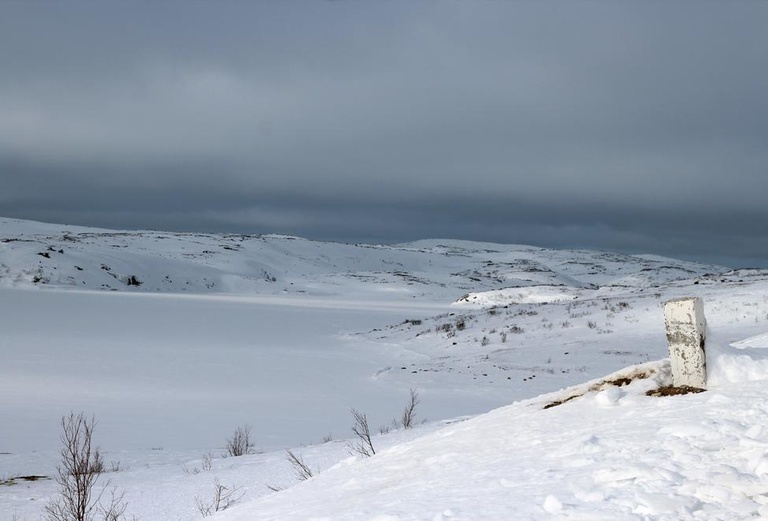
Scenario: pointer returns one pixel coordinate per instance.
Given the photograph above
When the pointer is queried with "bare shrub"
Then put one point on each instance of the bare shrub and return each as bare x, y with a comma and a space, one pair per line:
191, 471
363, 446
77, 475
222, 498
447, 327
461, 323
408, 418
207, 463
98, 463
300, 468
240, 443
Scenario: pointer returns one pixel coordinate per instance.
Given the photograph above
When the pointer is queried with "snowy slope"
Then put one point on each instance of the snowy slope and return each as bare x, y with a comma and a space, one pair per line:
288, 334
613, 453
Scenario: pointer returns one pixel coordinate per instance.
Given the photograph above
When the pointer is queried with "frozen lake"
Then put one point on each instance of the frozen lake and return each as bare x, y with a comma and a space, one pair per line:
177, 371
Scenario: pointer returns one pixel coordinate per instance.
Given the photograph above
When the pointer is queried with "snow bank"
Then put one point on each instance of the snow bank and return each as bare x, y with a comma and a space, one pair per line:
614, 454
524, 295
742, 361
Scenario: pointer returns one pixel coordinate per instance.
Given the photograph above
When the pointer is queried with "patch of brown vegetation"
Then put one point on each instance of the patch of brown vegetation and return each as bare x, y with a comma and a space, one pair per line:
15, 479
671, 390
619, 381
561, 402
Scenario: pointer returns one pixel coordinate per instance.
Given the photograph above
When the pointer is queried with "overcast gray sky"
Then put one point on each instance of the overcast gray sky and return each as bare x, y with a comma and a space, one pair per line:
635, 126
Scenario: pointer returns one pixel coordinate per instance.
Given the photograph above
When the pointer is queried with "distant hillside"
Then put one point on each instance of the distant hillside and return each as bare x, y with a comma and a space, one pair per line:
47, 255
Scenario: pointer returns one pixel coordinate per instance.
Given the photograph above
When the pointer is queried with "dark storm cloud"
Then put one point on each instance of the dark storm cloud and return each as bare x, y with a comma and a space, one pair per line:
626, 125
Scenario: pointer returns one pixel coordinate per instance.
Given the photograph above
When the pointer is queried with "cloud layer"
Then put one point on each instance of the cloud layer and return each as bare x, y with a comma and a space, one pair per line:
633, 126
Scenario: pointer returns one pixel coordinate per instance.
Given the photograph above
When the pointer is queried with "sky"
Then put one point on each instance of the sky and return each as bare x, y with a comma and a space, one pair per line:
629, 126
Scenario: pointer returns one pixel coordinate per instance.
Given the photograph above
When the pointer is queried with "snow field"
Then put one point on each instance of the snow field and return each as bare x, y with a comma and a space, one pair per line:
287, 334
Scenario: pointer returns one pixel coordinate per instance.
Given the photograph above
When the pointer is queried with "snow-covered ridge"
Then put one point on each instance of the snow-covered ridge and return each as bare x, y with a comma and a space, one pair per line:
37, 254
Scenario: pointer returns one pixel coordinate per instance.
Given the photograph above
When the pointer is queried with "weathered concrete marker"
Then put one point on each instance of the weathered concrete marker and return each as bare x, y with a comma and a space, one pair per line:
686, 335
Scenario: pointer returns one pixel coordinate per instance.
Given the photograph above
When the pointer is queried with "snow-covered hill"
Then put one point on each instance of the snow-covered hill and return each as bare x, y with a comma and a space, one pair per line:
172, 340
84, 258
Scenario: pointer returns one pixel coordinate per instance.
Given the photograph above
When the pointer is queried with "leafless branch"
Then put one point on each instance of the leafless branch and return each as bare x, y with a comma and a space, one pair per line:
364, 445
302, 470
223, 498
408, 418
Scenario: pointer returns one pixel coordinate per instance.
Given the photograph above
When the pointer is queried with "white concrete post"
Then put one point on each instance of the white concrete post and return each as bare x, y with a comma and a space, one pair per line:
686, 335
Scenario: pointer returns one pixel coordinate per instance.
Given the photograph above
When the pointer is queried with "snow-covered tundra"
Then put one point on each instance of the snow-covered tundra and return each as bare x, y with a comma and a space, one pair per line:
174, 340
